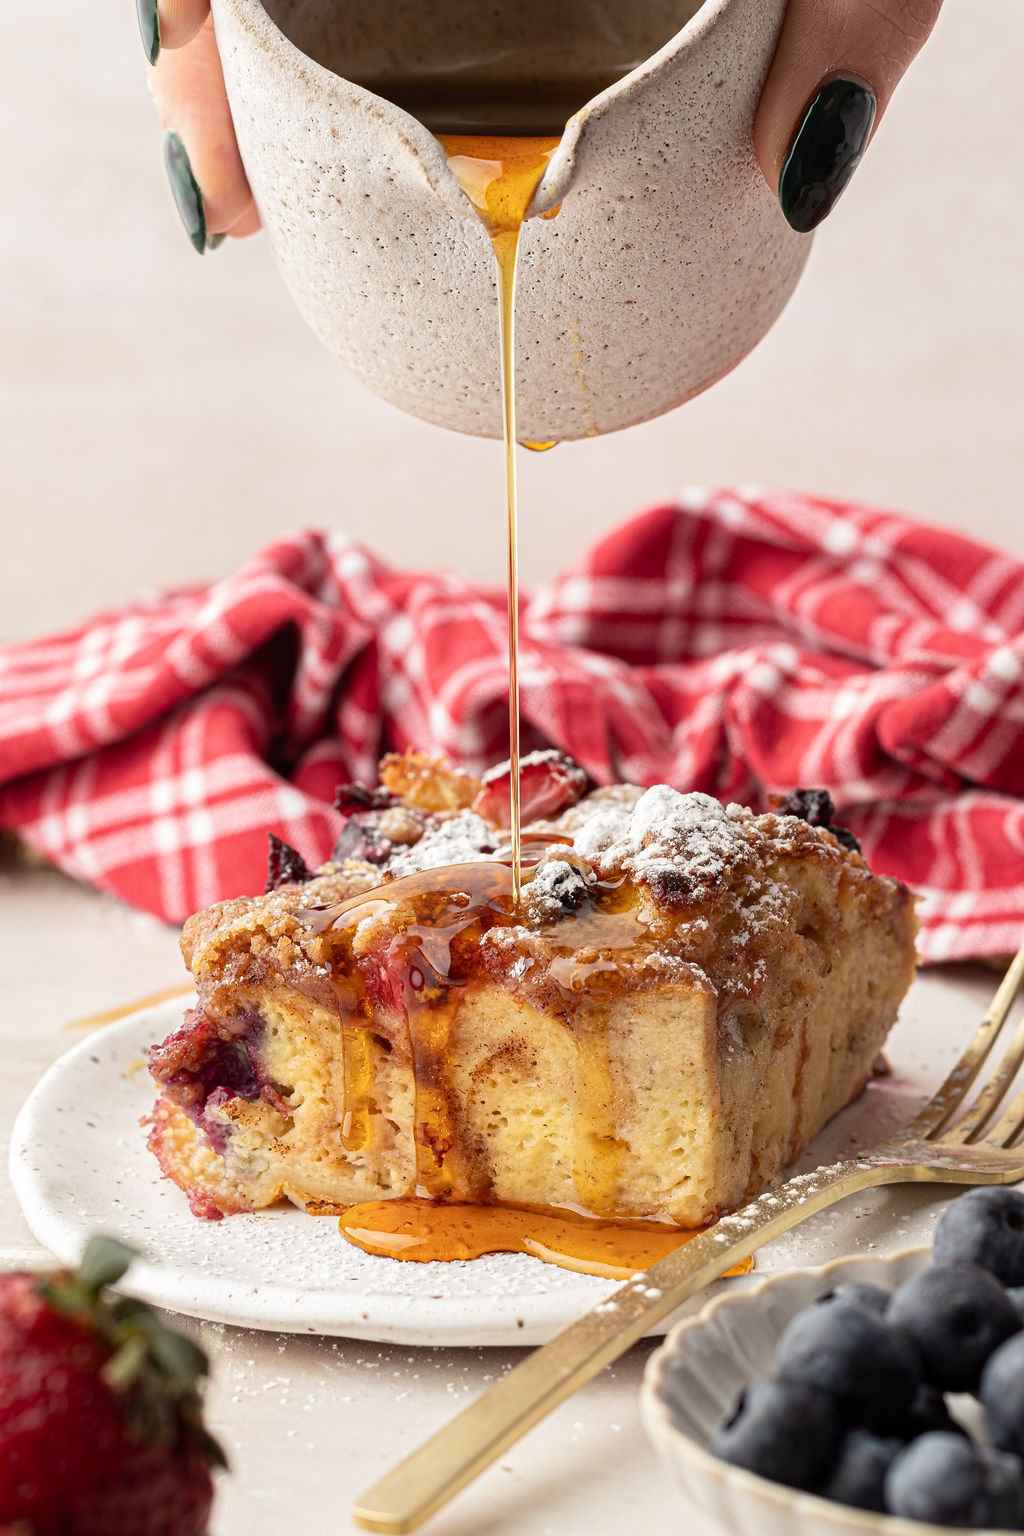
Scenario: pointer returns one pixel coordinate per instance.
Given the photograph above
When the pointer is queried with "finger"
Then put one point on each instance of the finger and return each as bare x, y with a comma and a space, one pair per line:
834, 72
180, 20
248, 224
169, 23
206, 170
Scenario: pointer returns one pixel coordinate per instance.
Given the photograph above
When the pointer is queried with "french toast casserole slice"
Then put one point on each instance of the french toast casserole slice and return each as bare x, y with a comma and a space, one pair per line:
687, 992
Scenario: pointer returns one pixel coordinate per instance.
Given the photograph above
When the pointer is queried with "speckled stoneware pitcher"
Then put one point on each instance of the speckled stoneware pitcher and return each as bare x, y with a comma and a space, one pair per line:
668, 257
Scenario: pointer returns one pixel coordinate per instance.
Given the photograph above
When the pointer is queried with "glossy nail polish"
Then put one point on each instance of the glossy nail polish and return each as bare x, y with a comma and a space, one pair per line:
149, 26
187, 195
825, 151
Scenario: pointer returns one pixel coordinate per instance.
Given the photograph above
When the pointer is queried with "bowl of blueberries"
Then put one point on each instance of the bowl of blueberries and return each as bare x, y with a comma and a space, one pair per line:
878, 1394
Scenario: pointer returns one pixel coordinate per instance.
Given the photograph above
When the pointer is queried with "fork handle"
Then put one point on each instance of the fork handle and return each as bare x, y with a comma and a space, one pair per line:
425, 1481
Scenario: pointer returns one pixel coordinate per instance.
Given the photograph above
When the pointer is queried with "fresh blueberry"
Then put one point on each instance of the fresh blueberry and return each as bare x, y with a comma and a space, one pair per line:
852, 1353
985, 1227
928, 1411
564, 883
942, 1479
1002, 1396
1015, 1296
874, 1297
784, 1430
815, 807
956, 1316
858, 1476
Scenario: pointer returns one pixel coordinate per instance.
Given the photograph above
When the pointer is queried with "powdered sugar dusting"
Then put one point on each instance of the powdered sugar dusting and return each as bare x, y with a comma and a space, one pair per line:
695, 829
601, 832
459, 839
687, 844
664, 832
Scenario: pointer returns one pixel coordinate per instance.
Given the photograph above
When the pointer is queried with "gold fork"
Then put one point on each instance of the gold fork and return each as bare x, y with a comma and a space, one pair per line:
979, 1147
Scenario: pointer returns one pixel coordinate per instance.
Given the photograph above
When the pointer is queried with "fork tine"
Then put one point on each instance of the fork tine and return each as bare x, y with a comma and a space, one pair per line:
944, 1104
1010, 1124
972, 1127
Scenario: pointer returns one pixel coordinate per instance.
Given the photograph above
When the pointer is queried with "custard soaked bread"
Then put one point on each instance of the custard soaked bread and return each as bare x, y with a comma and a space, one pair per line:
687, 993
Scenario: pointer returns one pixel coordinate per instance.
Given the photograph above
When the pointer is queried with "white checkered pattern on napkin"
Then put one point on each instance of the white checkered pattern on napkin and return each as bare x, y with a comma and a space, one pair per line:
735, 642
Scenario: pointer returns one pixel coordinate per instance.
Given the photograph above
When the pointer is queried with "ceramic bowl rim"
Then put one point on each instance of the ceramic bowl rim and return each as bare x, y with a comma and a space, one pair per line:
798, 1504
254, 19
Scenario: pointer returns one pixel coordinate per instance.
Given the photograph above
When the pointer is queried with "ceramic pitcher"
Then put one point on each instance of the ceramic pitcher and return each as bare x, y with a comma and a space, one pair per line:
668, 257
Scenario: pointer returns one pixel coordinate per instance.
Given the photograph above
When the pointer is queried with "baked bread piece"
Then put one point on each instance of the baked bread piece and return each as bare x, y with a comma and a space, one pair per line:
687, 993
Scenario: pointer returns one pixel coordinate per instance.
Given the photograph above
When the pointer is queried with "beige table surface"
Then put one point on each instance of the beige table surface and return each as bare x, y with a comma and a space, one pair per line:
162, 416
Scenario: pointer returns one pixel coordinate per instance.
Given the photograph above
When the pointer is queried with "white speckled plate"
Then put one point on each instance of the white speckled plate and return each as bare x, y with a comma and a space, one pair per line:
79, 1164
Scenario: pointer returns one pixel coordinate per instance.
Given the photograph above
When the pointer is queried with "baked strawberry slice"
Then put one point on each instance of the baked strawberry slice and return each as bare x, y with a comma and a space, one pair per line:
101, 1430
549, 782
384, 974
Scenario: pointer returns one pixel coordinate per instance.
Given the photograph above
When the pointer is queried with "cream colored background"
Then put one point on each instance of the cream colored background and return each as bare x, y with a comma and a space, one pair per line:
163, 414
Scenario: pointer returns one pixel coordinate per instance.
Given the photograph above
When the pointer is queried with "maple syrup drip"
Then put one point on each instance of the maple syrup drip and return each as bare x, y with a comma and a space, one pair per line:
424, 1230
483, 882
358, 1076
539, 447
500, 176
529, 838
421, 970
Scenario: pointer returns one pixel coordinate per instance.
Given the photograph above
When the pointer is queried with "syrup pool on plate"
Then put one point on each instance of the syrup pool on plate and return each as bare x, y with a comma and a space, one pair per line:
422, 1230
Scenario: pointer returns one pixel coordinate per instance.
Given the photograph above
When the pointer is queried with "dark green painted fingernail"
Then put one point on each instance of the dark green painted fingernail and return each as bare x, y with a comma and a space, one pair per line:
825, 151
149, 26
215, 241
186, 191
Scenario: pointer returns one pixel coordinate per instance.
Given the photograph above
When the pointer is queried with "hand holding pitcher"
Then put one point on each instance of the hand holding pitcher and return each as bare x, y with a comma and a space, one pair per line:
702, 143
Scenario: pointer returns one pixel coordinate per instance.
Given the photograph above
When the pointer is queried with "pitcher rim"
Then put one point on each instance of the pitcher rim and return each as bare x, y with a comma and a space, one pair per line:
557, 180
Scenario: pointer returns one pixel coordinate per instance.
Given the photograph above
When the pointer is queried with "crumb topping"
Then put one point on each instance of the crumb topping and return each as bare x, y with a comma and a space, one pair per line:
710, 885
427, 783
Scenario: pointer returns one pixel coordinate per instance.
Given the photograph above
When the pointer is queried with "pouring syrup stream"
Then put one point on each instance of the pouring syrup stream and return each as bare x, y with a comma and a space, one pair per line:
500, 176
450, 1214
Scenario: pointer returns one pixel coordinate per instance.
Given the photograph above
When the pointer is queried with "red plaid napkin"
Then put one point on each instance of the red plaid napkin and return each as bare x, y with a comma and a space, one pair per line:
736, 643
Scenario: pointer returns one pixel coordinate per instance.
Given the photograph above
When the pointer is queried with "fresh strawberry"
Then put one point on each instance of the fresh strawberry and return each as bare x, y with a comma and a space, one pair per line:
101, 1430
549, 782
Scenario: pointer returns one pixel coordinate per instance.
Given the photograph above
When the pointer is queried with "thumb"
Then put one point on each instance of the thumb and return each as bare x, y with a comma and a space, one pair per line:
834, 72
169, 23
203, 160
